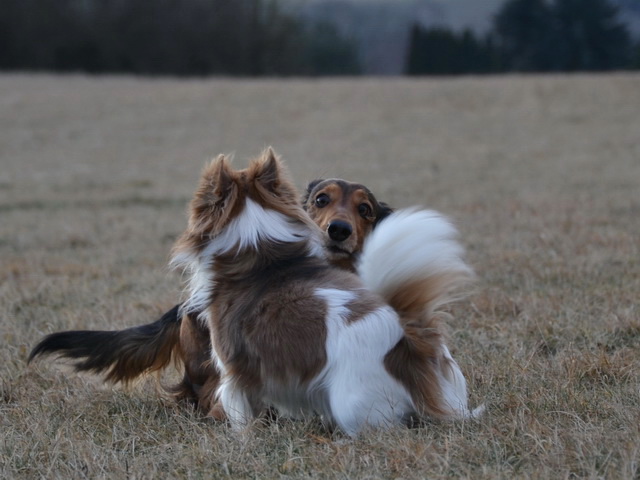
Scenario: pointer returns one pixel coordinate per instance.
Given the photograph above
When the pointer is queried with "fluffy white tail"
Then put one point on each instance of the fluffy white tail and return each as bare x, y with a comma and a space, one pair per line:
413, 260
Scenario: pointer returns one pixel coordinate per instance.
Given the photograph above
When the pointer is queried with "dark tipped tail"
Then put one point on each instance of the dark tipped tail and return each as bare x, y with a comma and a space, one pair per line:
121, 355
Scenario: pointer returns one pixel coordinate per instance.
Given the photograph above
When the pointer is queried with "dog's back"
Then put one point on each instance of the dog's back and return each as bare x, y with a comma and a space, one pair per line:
308, 338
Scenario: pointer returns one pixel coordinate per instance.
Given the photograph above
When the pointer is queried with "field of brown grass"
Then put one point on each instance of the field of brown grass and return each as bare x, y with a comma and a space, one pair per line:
541, 175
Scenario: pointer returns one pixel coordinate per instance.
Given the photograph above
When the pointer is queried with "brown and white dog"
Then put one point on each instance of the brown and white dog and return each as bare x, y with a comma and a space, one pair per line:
346, 212
290, 330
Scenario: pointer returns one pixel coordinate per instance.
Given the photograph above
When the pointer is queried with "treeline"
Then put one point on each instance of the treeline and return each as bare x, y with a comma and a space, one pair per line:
257, 37
174, 37
530, 36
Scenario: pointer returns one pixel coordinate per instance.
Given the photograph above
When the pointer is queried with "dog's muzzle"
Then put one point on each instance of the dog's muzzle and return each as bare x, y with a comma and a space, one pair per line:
339, 230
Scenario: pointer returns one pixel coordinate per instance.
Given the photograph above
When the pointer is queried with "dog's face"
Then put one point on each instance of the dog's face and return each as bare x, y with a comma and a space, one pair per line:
346, 213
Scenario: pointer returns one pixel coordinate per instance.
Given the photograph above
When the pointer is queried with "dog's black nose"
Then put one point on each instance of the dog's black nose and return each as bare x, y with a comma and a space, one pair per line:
339, 230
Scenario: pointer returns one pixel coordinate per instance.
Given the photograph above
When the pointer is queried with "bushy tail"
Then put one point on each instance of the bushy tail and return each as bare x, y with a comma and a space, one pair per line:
121, 355
413, 260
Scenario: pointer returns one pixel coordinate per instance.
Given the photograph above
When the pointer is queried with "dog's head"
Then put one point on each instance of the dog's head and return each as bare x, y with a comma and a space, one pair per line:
237, 209
346, 212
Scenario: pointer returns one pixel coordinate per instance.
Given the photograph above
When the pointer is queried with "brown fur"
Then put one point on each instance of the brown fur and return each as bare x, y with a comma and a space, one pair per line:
218, 199
200, 378
188, 339
417, 358
240, 342
121, 356
344, 203
209, 213
257, 332
346, 199
210, 210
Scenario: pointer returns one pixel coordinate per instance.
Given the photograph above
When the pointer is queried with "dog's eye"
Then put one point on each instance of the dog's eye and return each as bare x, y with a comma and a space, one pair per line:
364, 210
322, 200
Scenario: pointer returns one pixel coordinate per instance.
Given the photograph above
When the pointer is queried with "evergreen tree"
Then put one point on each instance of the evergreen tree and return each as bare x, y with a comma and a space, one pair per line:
175, 37
439, 51
563, 35
635, 56
589, 36
524, 32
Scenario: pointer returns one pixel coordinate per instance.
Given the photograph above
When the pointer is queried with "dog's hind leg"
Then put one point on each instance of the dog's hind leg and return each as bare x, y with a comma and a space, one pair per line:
371, 400
454, 388
201, 377
454, 385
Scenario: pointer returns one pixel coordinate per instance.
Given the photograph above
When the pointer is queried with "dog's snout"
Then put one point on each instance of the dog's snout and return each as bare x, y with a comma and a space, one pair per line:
339, 230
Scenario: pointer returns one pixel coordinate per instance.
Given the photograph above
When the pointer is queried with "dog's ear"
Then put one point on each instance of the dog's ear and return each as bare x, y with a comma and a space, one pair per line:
382, 211
268, 172
216, 191
222, 179
310, 187
271, 179
216, 181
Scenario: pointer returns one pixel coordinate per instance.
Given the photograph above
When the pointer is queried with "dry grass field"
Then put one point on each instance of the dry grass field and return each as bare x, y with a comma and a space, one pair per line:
541, 175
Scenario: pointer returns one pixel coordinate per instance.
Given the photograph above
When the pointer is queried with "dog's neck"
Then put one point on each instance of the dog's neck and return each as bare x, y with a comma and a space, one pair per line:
259, 261
348, 263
